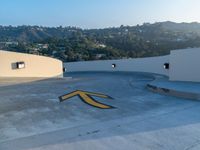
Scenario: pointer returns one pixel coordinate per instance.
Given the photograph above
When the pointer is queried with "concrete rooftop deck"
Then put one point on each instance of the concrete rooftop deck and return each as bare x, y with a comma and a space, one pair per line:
32, 118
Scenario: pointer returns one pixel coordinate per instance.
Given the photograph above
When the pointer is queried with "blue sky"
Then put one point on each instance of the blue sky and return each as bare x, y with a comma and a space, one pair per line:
96, 13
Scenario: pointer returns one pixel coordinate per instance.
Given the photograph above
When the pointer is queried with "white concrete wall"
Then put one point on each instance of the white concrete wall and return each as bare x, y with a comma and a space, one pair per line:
35, 66
184, 65
150, 65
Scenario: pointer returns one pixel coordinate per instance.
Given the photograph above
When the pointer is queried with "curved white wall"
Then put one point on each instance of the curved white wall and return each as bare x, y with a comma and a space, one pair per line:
150, 65
184, 65
35, 66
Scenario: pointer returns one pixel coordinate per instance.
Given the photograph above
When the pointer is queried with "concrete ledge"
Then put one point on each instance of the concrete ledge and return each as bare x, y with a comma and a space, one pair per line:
186, 90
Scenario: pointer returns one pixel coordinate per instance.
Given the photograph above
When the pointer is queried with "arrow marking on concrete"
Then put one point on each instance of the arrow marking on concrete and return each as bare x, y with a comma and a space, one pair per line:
87, 98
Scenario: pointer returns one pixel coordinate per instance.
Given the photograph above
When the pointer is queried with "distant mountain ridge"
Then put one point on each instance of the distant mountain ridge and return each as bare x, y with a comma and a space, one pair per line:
39, 33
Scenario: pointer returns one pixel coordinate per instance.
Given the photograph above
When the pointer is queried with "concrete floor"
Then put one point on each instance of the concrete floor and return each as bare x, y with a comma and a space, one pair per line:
32, 118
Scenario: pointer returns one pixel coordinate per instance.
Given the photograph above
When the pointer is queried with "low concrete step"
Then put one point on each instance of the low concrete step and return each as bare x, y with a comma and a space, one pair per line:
187, 90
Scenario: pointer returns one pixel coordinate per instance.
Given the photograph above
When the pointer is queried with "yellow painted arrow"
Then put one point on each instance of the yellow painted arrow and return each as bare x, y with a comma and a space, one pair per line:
86, 97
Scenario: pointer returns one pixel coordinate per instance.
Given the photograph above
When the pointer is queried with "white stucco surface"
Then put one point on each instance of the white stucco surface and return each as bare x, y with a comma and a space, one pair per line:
150, 65
184, 65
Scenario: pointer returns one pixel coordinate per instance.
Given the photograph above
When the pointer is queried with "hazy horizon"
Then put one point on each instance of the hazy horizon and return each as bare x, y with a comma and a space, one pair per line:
95, 14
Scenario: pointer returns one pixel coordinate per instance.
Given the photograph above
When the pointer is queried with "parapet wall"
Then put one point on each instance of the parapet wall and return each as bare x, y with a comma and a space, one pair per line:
149, 65
34, 66
185, 65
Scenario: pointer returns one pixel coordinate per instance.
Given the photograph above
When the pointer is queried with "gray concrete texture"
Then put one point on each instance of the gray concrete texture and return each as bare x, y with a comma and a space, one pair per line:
32, 118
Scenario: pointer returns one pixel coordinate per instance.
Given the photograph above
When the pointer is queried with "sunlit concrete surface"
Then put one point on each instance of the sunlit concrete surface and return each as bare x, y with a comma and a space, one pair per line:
32, 118
31, 65
14, 81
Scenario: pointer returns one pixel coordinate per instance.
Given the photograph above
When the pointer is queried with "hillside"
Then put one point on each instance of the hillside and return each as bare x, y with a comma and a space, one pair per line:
75, 44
